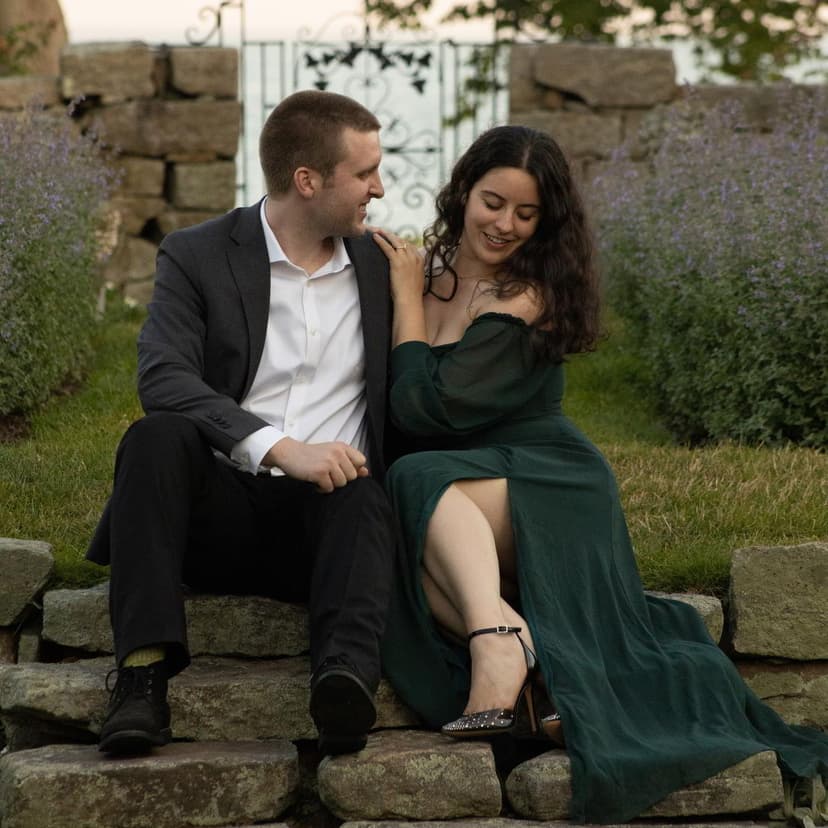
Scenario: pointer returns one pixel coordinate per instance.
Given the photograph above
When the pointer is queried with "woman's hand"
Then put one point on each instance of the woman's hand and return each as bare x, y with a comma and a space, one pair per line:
407, 276
407, 279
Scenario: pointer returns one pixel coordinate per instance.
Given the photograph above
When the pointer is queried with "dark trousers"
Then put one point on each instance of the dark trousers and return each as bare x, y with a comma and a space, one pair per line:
180, 516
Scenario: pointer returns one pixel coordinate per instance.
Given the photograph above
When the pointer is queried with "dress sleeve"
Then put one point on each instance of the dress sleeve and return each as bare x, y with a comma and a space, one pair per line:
487, 376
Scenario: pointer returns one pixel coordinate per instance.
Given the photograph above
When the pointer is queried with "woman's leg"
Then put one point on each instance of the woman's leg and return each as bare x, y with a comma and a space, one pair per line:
468, 542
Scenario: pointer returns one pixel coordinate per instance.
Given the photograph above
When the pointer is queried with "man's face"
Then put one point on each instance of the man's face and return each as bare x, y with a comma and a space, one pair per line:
343, 199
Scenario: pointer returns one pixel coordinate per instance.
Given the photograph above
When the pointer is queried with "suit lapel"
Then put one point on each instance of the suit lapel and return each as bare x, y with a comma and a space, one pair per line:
371, 269
249, 264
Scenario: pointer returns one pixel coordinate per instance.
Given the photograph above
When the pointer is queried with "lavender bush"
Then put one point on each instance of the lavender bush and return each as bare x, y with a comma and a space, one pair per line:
717, 253
53, 183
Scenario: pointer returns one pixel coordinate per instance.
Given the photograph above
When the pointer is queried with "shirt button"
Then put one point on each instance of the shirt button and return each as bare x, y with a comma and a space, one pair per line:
313, 332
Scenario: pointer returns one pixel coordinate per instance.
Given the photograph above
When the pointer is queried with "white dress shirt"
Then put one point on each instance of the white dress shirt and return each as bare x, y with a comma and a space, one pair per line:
310, 382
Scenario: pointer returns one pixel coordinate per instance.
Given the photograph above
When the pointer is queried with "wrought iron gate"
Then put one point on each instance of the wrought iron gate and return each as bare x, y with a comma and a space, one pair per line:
416, 87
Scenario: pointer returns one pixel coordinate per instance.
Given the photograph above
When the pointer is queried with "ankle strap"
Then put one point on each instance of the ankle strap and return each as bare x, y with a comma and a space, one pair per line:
501, 629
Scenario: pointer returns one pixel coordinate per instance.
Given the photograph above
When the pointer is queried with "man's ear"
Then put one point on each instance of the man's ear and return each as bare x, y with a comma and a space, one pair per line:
307, 181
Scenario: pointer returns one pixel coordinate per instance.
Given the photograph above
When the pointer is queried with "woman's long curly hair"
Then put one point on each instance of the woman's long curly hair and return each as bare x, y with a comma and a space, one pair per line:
556, 263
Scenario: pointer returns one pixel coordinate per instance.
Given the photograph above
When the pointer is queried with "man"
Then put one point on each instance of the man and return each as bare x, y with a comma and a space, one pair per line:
258, 468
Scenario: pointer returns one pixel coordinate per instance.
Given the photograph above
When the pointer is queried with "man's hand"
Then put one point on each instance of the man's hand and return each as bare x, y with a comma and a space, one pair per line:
328, 465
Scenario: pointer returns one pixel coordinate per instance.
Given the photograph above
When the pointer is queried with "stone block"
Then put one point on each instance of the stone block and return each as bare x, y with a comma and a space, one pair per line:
28, 644
579, 134
26, 566
213, 699
204, 186
762, 105
138, 292
140, 176
797, 691
411, 775
504, 822
205, 70
186, 130
541, 788
635, 124
228, 625
707, 606
778, 603
136, 210
133, 260
176, 219
19, 91
606, 75
23, 12
203, 784
752, 785
113, 72
8, 646
524, 93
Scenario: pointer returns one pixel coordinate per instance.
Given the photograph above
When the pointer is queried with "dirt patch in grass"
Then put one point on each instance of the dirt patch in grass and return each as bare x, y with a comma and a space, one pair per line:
14, 427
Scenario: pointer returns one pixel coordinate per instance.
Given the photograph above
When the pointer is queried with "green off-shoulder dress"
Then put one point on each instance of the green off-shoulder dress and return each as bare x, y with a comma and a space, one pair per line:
648, 702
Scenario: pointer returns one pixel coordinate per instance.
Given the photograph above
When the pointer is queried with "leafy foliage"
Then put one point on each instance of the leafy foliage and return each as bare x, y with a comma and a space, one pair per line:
719, 259
748, 40
53, 182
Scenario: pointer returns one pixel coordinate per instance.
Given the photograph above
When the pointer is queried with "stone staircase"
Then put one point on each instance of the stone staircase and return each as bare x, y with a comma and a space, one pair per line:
246, 754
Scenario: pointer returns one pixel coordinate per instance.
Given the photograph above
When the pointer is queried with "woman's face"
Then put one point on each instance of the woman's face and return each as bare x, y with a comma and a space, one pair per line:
502, 213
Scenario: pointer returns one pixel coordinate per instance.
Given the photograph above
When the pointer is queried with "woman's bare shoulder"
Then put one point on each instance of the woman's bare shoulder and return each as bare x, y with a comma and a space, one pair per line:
524, 305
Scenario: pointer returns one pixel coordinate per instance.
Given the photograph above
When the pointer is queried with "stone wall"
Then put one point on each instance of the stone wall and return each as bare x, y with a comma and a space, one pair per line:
170, 118
603, 103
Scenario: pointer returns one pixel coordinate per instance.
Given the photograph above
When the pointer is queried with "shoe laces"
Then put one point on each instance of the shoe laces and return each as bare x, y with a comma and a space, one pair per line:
136, 681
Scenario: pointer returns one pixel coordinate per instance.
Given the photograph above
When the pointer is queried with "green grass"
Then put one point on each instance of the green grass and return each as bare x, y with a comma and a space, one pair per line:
687, 509
53, 484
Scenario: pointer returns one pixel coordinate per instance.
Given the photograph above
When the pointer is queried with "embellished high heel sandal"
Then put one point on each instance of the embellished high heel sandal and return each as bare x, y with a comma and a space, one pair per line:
549, 726
500, 720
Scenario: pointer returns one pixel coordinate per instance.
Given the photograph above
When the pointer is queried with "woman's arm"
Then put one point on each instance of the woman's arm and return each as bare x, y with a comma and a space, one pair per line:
407, 277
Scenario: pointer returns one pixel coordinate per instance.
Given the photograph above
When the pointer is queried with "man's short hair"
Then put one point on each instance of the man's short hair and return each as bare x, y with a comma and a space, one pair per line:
305, 130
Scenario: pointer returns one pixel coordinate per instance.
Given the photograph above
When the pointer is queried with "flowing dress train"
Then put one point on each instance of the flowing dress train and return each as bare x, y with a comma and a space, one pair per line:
648, 701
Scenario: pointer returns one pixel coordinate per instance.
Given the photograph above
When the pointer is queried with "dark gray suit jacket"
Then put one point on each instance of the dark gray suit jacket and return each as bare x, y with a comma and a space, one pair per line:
200, 346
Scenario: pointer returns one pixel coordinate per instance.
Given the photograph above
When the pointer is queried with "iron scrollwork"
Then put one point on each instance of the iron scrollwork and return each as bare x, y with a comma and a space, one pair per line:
213, 15
410, 61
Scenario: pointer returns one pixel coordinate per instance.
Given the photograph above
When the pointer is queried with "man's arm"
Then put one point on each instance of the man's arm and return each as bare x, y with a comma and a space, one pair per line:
171, 377
171, 351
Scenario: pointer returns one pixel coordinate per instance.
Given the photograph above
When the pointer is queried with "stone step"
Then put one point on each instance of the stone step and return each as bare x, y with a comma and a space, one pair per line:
222, 625
205, 784
540, 789
213, 699
505, 822
234, 625
411, 775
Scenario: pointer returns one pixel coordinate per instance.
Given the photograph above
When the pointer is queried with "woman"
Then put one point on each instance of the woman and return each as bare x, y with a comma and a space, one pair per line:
517, 574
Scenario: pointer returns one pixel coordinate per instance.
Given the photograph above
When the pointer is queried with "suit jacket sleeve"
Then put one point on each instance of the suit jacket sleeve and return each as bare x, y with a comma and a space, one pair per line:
176, 350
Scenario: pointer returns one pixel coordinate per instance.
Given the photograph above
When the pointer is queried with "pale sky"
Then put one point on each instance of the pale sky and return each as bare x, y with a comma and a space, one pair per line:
157, 21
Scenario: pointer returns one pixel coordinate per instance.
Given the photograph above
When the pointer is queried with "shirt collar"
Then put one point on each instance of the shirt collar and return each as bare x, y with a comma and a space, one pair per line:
339, 261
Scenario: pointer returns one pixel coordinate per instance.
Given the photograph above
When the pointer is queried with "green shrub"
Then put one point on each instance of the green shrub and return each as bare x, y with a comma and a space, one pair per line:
53, 183
717, 252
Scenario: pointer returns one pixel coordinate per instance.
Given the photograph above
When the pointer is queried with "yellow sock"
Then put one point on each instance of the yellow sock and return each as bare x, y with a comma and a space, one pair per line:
144, 656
